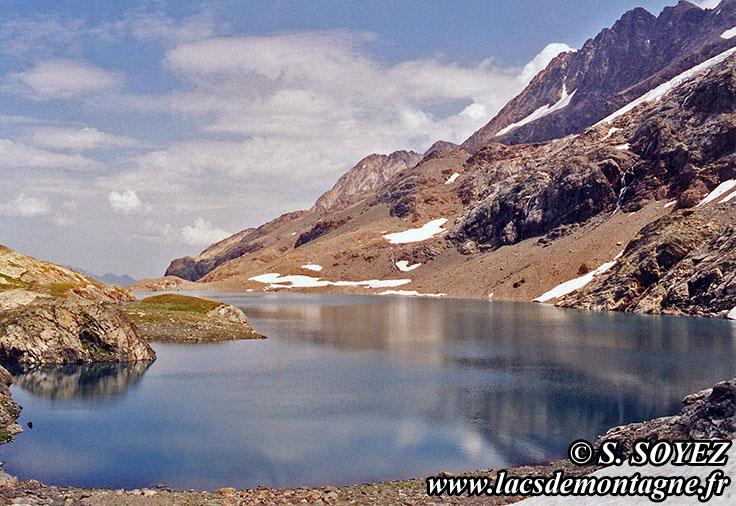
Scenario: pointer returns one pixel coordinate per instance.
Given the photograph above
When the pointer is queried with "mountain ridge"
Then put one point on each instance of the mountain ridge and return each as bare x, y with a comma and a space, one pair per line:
511, 220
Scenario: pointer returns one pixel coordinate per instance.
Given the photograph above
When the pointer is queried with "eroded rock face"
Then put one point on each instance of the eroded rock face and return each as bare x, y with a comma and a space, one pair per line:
682, 264
709, 414
368, 174
9, 410
70, 331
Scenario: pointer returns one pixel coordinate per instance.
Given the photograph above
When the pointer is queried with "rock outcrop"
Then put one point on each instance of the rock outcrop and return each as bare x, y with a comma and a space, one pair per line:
62, 331
620, 64
9, 410
368, 174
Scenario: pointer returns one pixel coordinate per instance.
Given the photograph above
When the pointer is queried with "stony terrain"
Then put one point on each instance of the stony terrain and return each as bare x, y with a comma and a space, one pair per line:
179, 318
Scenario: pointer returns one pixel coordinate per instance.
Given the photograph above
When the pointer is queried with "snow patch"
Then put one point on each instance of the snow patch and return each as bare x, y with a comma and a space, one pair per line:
729, 34
404, 266
623, 147
427, 231
664, 88
720, 190
727, 198
611, 131
543, 111
312, 267
412, 293
670, 204
276, 280
577, 283
452, 178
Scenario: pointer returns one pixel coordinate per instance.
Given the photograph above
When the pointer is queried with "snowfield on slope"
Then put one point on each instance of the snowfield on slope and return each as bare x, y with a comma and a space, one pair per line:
412, 293
312, 267
722, 189
664, 88
577, 283
403, 266
543, 111
427, 231
276, 280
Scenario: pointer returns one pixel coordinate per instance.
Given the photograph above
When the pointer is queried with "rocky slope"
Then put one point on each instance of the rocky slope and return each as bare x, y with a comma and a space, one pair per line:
369, 173
621, 63
535, 221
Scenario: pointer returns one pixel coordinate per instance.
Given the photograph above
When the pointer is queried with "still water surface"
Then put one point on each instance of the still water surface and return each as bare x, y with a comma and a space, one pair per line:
351, 389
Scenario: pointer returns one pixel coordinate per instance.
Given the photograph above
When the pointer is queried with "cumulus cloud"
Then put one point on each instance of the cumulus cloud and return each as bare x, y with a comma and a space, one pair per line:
540, 62
25, 206
315, 103
202, 233
19, 155
708, 4
76, 139
61, 79
126, 202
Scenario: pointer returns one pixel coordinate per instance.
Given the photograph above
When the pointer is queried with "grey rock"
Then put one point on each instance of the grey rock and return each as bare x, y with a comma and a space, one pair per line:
70, 331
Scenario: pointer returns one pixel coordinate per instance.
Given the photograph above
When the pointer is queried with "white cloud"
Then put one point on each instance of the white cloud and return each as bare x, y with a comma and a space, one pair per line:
708, 4
73, 139
540, 62
61, 79
18, 155
311, 104
26, 207
157, 27
202, 233
126, 202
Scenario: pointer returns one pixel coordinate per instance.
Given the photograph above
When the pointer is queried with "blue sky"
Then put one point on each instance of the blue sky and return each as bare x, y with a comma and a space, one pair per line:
133, 133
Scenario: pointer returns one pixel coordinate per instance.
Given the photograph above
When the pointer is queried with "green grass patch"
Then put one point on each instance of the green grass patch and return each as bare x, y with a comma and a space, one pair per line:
175, 302
58, 289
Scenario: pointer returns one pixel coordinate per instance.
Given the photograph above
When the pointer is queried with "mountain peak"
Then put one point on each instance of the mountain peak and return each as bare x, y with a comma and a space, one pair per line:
639, 52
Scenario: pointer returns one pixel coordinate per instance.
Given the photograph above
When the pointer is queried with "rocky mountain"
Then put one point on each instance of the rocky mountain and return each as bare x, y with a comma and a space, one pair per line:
369, 173
638, 53
615, 216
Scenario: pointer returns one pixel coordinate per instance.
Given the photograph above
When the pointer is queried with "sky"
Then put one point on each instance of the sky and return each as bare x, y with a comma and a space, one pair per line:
135, 133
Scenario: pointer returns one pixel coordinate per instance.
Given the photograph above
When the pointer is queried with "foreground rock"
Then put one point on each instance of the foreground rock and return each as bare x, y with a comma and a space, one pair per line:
9, 410
63, 331
181, 318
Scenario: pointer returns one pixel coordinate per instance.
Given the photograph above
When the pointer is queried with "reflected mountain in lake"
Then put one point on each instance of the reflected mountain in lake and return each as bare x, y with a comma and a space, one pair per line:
351, 389
88, 381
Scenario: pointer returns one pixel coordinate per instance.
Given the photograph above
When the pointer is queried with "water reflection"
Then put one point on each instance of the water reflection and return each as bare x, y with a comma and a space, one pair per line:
88, 381
352, 389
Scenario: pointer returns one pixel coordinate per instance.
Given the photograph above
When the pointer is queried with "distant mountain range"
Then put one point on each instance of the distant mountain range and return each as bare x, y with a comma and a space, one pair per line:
109, 278
605, 184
